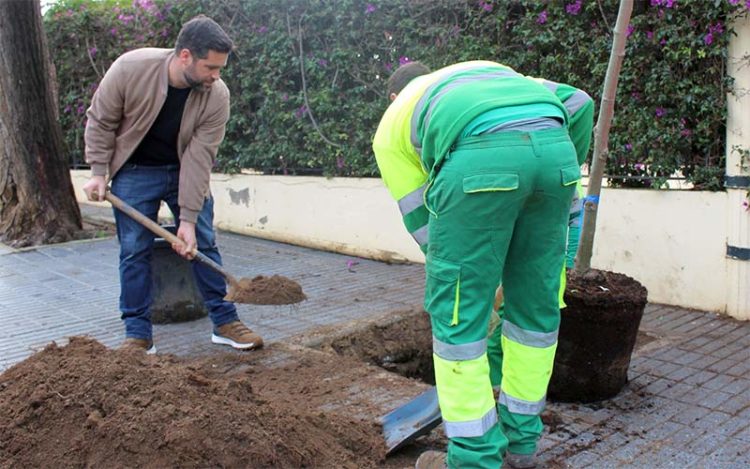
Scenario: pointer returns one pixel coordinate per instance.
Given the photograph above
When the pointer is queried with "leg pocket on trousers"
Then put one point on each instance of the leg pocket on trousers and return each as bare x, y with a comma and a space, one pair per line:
442, 290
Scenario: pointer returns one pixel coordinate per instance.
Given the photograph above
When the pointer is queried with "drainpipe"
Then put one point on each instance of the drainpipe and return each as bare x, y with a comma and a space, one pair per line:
737, 180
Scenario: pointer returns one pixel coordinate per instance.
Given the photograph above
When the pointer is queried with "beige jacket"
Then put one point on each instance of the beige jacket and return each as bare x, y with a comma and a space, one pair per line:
126, 104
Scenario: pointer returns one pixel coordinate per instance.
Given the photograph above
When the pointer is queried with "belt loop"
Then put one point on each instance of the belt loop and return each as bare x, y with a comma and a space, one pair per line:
535, 144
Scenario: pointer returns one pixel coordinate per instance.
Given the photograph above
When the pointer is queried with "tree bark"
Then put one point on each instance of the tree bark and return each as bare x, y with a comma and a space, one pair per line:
37, 202
601, 138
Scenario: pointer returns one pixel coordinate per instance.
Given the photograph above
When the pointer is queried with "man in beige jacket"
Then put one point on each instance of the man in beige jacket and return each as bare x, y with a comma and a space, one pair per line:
154, 127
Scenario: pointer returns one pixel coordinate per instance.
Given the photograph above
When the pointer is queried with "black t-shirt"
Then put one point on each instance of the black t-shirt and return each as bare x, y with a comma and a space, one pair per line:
159, 146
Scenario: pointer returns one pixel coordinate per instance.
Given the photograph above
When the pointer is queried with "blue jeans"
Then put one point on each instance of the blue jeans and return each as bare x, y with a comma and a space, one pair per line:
143, 188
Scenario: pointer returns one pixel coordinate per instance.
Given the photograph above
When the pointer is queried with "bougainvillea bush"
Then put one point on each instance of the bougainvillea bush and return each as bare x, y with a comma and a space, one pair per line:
308, 76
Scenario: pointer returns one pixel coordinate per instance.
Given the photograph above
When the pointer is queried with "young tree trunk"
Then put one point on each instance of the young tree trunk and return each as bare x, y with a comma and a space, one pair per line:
601, 138
37, 203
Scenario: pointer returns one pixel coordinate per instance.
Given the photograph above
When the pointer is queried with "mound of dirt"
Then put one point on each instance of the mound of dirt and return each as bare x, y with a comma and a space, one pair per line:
260, 290
85, 405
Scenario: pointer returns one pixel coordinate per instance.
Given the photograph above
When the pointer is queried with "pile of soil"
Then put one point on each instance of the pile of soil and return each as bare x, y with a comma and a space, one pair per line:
401, 345
260, 290
86, 405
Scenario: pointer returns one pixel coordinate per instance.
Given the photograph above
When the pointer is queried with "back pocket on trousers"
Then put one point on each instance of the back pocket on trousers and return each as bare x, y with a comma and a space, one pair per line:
491, 182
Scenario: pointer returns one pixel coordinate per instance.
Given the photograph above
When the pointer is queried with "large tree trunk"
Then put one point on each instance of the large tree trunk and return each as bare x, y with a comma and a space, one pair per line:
37, 203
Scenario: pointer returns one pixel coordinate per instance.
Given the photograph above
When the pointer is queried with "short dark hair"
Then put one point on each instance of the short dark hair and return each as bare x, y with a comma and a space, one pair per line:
404, 74
201, 34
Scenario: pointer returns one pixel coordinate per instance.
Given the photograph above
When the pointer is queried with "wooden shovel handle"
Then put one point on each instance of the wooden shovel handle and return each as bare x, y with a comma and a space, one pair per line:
142, 219
160, 231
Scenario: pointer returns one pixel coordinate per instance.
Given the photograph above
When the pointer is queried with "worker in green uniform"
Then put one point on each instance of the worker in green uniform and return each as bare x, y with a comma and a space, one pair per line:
483, 162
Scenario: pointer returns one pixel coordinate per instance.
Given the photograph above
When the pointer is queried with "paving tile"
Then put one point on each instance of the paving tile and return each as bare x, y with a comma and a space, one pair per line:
735, 404
584, 459
723, 365
691, 415
704, 361
726, 455
677, 390
700, 378
713, 420
741, 369
707, 443
682, 373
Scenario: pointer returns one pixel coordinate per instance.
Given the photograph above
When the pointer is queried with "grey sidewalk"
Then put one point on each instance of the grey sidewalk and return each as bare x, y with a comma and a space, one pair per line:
687, 404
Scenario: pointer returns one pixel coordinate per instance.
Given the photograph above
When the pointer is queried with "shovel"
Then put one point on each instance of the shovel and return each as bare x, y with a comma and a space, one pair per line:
160, 231
412, 420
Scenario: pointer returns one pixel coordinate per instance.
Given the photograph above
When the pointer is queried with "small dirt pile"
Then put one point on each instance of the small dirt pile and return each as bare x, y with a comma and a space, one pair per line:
84, 405
260, 290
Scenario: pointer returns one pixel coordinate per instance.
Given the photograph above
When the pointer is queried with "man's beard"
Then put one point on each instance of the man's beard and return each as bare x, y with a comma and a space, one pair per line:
193, 83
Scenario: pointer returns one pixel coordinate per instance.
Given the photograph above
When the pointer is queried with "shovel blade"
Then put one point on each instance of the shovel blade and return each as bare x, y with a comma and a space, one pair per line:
412, 420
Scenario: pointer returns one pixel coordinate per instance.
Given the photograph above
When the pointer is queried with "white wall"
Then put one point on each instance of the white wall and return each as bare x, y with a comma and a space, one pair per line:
673, 242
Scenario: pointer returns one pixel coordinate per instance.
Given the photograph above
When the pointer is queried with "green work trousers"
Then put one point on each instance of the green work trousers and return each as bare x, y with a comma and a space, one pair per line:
499, 209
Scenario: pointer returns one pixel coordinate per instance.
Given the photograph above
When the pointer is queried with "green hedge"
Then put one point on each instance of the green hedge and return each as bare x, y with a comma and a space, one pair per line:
308, 77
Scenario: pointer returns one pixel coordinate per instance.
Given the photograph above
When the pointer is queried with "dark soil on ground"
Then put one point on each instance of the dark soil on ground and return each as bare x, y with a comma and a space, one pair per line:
401, 344
261, 290
84, 405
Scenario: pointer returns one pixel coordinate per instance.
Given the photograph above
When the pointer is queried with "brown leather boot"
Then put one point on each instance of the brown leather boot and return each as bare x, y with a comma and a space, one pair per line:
131, 344
431, 460
237, 335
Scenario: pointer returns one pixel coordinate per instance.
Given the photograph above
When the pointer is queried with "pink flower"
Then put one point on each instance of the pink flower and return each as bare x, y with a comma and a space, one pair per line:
573, 8
370, 9
542, 18
486, 6
403, 60
708, 39
639, 166
93, 51
650, 35
301, 111
629, 146
660, 112
630, 30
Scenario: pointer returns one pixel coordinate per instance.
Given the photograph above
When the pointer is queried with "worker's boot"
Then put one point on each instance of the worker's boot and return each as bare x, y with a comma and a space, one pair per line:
237, 335
131, 344
431, 460
521, 461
